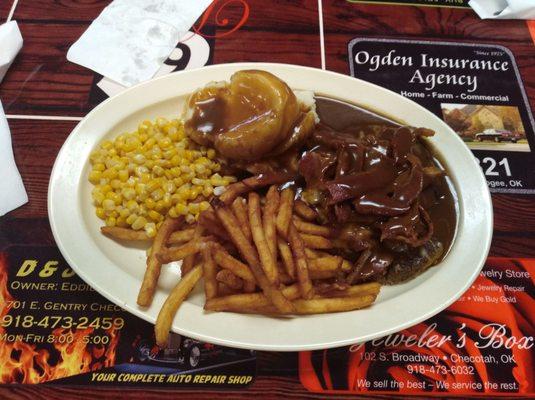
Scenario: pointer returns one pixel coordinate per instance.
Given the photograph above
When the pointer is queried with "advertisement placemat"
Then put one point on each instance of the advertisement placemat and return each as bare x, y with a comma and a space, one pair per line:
476, 89
482, 344
55, 329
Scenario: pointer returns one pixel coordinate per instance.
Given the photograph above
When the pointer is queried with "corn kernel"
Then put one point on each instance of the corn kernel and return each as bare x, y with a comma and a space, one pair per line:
139, 223
140, 188
157, 194
129, 193
207, 191
108, 204
230, 179
95, 176
200, 168
152, 186
210, 154
132, 205
178, 182
160, 206
172, 213
164, 143
154, 215
121, 221
123, 175
169, 187
157, 170
111, 221
204, 205
100, 213
145, 178
98, 198
194, 208
115, 184
175, 160
195, 192
181, 209
106, 144
131, 218
110, 173
150, 229
150, 203
142, 197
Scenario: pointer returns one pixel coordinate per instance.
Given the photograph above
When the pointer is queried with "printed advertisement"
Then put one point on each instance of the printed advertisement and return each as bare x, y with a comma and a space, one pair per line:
482, 344
475, 89
55, 329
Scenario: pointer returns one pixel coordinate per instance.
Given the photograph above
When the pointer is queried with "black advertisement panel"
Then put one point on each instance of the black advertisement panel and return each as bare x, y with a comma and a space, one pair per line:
475, 88
55, 329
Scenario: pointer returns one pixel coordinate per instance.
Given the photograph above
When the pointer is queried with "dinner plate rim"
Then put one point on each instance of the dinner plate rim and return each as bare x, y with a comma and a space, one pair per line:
58, 231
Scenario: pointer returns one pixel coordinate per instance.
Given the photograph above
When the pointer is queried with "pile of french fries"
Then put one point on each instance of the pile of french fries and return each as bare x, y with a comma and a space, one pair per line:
257, 254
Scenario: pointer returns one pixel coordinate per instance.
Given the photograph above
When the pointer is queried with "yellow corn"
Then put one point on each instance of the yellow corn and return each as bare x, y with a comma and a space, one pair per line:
140, 177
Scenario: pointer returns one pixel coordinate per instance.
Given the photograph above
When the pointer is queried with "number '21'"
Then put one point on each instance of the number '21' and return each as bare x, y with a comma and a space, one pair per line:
491, 162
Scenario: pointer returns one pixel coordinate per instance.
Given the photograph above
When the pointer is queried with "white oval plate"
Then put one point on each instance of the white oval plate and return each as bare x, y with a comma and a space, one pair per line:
116, 270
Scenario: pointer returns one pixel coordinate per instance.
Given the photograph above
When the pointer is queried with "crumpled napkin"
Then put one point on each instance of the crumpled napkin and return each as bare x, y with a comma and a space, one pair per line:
12, 192
10, 45
130, 39
504, 9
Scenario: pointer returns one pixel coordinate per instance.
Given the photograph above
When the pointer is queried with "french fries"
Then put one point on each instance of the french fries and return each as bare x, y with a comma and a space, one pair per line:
284, 217
128, 234
224, 290
370, 288
316, 242
179, 237
187, 263
154, 265
304, 211
329, 263
324, 267
334, 304
225, 260
301, 263
229, 279
211, 224
312, 229
240, 211
266, 258
175, 299
287, 258
252, 183
258, 303
269, 219
209, 272
119, 233
248, 252
251, 301
179, 253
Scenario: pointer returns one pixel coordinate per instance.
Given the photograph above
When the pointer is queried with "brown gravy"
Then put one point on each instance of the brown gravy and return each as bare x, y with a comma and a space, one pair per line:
437, 198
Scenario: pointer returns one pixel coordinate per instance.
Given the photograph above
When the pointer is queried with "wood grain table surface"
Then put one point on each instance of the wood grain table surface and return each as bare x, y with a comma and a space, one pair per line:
44, 96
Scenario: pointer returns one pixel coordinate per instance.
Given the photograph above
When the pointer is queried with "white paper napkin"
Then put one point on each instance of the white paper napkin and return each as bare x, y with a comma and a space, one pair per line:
10, 45
12, 192
504, 9
130, 39
198, 55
